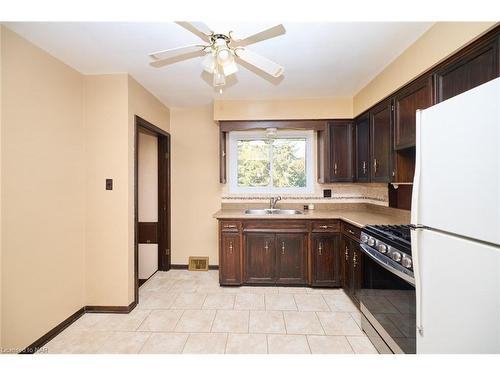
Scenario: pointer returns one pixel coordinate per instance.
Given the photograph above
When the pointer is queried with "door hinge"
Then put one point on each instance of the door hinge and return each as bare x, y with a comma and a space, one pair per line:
167, 155
167, 251
392, 107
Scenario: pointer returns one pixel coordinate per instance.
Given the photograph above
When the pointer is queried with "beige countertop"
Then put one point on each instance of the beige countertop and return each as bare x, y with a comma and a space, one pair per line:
355, 214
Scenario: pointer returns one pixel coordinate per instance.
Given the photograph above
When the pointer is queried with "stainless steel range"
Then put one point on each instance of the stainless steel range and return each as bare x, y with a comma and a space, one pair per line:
387, 295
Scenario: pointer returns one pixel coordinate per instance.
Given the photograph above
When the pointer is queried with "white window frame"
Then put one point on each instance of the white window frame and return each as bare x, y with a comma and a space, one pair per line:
236, 136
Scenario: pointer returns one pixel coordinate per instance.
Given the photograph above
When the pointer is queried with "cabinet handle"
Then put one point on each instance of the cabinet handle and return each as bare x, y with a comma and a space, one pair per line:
375, 165
323, 226
320, 248
230, 226
283, 248
346, 253
266, 246
230, 247
335, 168
350, 231
364, 167
354, 260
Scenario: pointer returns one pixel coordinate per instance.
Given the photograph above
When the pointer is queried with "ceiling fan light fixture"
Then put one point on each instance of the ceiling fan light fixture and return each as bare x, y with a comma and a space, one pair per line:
209, 63
230, 68
219, 77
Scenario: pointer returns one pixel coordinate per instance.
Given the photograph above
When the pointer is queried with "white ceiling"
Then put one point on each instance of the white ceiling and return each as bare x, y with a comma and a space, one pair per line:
320, 59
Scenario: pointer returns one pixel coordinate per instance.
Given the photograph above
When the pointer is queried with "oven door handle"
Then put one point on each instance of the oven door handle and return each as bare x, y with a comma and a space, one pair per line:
369, 251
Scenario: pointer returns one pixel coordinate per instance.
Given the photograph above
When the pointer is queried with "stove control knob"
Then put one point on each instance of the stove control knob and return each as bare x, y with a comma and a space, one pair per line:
396, 256
406, 262
364, 238
382, 248
371, 241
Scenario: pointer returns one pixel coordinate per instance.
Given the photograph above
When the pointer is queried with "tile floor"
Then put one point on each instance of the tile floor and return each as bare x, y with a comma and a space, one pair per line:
188, 312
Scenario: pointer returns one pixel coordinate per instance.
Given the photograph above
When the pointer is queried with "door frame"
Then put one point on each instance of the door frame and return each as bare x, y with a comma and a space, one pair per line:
164, 197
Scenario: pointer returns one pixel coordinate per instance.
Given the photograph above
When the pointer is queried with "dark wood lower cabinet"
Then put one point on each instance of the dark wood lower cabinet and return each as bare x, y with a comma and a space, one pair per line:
326, 260
260, 258
230, 255
291, 258
353, 268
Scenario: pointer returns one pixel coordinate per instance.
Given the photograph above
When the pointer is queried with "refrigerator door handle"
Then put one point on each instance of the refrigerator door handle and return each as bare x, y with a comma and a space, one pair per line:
415, 232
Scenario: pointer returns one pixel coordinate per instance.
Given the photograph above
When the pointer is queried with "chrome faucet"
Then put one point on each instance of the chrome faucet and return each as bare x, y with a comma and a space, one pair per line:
273, 201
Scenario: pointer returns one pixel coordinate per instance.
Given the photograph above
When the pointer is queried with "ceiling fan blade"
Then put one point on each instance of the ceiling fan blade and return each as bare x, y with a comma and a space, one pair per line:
177, 58
172, 52
259, 37
197, 28
260, 62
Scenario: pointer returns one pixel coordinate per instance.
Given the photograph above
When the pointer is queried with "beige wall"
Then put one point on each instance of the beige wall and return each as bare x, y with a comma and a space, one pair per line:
196, 190
43, 192
287, 109
439, 42
107, 229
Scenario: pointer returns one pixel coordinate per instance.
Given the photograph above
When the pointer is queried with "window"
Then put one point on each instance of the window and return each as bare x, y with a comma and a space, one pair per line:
278, 164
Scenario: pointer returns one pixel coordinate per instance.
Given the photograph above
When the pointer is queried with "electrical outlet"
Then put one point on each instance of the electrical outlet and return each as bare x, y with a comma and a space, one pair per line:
327, 193
109, 184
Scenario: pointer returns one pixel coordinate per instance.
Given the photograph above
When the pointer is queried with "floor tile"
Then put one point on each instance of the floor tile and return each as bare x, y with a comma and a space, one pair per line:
234, 321
165, 343
161, 320
195, 321
266, 322
357, 318
339, 323
280, 302
206, 343
189, 301
124, 342
326, 291
77, 342
238, 343
122, 322
249, 301
287, 344
303, 323
258, 289
219, 301
184, 286
292, 290
157, 300
341, 303
310, 302
361, 345
329, 345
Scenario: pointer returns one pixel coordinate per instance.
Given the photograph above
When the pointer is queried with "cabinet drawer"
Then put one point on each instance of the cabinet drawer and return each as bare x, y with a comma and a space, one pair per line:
351, 231
326, 226
276, 226
230, 226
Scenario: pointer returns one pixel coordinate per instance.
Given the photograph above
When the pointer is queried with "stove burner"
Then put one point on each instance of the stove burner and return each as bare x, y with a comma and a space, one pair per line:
397, 236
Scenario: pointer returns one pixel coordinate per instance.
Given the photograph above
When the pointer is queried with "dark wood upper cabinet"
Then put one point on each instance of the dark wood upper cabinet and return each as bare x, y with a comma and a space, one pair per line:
260, 258
380, 139
469, 68
363, 148
417, 95
291, 258
326, 267
229, 255
341, 151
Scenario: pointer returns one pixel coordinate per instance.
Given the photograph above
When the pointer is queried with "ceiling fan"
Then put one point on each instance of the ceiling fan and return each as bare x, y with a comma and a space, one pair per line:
221, 52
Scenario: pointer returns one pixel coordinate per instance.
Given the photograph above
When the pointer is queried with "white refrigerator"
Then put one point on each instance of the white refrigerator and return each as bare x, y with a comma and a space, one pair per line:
456, 205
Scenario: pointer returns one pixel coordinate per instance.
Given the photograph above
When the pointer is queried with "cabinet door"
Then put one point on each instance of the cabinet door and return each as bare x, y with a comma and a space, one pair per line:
230, 265
357, 270
346, 254
341, 142
291, 258
406, 102
381, 150
469, 69
363, 148
260, 258
327, 268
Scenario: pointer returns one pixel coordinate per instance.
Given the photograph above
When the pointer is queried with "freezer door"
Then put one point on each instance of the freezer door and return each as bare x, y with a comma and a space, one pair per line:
458, 294
457, 173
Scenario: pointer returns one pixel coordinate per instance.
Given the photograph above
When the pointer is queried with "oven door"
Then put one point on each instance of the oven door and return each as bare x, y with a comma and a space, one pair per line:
387, 301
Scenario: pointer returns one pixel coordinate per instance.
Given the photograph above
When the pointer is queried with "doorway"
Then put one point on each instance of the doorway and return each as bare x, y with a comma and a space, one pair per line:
151, 201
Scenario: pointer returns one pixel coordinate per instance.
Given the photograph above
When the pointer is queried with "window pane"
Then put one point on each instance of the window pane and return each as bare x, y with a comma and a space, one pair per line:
253, 163
289, 162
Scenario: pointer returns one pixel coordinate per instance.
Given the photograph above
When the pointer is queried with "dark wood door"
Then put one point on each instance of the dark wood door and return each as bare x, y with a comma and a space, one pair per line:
341, 150
469, 69
406, 102
229, 258
357, 270
326, 267
346, 254
291, 258
260, 258
363, 148
381, 150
